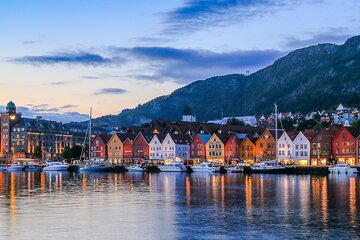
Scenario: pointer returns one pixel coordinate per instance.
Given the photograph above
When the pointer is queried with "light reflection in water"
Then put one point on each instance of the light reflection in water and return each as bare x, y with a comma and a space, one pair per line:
178, 205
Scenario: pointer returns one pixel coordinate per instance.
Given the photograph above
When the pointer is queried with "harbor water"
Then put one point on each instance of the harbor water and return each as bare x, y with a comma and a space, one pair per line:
64, 205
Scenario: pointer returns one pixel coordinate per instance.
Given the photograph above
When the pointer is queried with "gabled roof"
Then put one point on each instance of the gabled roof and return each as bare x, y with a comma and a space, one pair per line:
181, 139
204, 137
355, 132
223, 138
161, 137
124, 136
104, 137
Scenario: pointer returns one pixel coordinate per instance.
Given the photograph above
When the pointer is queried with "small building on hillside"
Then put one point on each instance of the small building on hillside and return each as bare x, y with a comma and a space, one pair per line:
188, 115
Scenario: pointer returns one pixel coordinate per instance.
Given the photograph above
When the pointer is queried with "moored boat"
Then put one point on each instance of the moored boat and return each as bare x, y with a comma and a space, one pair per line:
173, 167
55, 166
101, 167
269, 168
15, 167
33, 168
135, 168
343, 169
205, 167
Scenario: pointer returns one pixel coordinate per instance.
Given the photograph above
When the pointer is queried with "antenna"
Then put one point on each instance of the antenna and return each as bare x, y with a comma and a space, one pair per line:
90, 134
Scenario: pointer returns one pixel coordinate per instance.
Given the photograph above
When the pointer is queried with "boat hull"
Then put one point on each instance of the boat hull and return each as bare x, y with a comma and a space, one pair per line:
286, 170
55, 168
95, 169
349, 171
15, 169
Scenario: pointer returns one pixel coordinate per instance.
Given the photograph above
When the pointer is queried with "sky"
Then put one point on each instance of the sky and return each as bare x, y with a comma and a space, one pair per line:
59, 58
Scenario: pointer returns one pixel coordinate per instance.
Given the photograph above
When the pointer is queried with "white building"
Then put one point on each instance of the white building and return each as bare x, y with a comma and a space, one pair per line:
301, 148
188, 115
155, 147
285, 147
248, 120
176, 146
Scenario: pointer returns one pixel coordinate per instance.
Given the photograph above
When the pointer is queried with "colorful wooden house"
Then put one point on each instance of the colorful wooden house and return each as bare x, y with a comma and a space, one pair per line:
215, 148
197, 147
344, 145
99, 146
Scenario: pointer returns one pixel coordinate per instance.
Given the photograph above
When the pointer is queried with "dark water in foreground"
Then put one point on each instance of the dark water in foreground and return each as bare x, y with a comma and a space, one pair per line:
177, 206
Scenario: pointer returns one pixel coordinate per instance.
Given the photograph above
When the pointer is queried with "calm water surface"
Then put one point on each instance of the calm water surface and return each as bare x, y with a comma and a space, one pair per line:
177, 206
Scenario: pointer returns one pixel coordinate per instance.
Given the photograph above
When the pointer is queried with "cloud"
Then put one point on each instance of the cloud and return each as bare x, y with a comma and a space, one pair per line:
163, 64
334, 35
29, 42
194, 15
50, 113
185, 65
112, 91
68, 106
83, 58
59, 83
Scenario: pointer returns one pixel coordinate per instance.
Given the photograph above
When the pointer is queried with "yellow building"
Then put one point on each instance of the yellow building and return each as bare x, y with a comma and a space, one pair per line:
215, 148
265, 146
247, 150
115, 149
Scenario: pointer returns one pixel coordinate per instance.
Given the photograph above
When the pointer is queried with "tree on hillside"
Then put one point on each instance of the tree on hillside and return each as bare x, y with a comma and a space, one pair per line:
38, 153
235, 121
307, 124
288, 124
356, 123
66, 154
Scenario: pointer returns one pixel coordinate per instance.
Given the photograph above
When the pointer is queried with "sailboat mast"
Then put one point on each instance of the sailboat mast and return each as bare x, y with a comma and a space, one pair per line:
276, 132
90, 133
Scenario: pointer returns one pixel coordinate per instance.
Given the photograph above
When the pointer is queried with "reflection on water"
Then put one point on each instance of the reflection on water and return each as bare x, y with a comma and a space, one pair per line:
61, 205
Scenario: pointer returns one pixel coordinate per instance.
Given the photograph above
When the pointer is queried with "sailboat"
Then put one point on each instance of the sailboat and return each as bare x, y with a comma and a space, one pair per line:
92, 165
272, 166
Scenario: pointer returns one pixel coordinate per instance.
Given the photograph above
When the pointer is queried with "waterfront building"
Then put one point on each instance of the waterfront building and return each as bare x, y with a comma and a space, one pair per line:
285, 146
301, 147
115, 147
128, 147
99, 150
79, 131
141, 146
232, 149
176, 146
321, 146
265, 147
155, 147
247, 150
8, 120
215, 148
345, 144
197, 147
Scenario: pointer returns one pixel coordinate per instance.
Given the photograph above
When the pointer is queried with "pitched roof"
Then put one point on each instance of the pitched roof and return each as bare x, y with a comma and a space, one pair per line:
223, 137
181, 138
161, 137
355, 132
104, 137
204, 137
124, 136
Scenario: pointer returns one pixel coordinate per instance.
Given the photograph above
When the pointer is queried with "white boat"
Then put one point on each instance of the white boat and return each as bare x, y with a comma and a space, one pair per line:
205, 167
3, 168
55, 166
15, 167
173, 167
135, 168
234, 169
343, 169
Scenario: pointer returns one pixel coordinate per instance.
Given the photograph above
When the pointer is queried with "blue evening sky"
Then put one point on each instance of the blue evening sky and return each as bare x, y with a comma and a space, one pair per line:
58, 58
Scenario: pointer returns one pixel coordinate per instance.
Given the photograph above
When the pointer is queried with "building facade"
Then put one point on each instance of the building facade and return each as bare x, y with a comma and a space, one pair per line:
345, 145
198, 146
99, 148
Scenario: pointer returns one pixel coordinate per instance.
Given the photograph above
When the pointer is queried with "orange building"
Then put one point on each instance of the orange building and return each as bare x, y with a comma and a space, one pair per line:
247, 150
265, 147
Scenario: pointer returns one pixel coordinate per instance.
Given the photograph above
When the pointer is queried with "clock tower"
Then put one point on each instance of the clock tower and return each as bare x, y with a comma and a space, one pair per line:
8, 120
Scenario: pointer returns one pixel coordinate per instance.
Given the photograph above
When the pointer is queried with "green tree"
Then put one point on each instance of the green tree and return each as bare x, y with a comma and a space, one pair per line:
38, 153
76, 151
234, 121
288, 124
307, 124
356, 123
66, 154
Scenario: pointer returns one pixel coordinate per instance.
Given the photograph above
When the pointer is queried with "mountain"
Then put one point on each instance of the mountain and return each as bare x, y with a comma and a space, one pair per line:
312, 78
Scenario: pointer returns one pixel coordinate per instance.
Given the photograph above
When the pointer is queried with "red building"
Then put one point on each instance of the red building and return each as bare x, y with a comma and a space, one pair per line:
197, 147
344, 145
99, 146
232, 149
140, 146
320, 146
